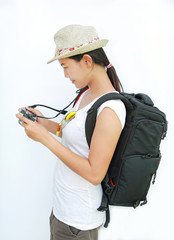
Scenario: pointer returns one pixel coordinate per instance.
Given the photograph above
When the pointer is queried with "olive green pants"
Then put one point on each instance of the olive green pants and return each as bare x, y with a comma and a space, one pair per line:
61, 231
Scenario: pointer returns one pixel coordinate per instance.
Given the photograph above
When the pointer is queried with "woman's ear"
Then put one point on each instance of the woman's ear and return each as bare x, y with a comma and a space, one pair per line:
87, 60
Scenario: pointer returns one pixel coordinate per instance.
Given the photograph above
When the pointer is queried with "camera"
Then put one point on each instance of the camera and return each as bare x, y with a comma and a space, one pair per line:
28, 115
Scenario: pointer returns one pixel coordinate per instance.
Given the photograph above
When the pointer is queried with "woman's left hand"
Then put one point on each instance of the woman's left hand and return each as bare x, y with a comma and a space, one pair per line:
33, 130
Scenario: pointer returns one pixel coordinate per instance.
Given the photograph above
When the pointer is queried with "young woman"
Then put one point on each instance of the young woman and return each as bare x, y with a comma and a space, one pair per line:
80, 170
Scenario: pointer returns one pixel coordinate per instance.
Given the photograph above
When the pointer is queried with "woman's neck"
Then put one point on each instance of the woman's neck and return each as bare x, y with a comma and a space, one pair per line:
99, 83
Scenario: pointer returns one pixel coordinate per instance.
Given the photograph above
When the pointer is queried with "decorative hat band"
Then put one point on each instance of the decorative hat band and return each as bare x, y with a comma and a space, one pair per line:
64, 51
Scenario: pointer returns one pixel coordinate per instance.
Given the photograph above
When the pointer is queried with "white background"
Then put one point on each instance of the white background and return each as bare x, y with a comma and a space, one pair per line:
141, 34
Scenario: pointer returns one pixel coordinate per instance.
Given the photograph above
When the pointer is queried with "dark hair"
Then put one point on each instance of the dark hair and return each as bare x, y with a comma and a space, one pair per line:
99, 57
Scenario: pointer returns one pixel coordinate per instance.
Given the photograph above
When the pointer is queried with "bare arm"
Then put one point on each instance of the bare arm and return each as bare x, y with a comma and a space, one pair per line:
104, 140
105, 137
51, 126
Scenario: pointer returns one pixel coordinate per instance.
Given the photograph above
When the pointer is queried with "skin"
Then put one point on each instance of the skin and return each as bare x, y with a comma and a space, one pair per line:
106, 132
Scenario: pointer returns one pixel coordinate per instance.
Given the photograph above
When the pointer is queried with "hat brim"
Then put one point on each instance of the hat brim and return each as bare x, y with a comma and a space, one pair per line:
87, 48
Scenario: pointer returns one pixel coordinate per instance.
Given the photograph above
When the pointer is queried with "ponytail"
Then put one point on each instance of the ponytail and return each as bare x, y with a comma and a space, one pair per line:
114, 79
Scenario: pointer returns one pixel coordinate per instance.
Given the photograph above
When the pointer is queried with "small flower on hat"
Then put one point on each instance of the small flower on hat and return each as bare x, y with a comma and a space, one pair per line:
71, 49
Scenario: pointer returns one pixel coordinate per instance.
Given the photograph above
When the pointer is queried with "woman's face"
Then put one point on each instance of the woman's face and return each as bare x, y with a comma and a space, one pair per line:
77, 72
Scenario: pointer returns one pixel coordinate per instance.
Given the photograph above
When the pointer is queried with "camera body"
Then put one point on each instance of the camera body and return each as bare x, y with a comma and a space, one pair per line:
27, 114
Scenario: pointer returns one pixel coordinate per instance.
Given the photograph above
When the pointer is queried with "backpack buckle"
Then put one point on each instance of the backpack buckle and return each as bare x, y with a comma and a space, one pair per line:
136, 204
108, 188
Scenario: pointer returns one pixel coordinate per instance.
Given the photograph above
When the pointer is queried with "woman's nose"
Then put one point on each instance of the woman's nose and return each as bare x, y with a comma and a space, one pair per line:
66, 73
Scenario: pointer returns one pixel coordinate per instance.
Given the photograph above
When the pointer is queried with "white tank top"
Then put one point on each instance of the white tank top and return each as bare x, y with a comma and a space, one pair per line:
75, 199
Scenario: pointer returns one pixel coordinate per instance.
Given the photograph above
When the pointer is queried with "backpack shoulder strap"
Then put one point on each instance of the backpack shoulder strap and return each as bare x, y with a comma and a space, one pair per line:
92, 112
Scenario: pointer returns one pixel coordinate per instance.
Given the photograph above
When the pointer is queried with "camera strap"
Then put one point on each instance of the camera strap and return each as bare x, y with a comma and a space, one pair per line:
63, 111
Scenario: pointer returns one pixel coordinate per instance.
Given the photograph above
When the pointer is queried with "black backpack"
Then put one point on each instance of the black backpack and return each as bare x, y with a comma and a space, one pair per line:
137, 154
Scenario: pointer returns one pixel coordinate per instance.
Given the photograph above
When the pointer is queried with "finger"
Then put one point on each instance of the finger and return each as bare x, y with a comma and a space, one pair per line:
32, 110
23, 124
21, 117
19, 110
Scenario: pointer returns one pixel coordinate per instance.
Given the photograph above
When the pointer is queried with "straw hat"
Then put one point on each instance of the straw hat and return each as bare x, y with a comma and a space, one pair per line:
76, 39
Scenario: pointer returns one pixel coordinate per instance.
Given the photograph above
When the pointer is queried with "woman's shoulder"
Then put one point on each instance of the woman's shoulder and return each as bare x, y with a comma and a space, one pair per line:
117, 106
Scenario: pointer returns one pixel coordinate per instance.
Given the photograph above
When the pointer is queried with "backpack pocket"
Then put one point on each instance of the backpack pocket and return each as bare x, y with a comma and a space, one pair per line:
134, 180
145, 137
